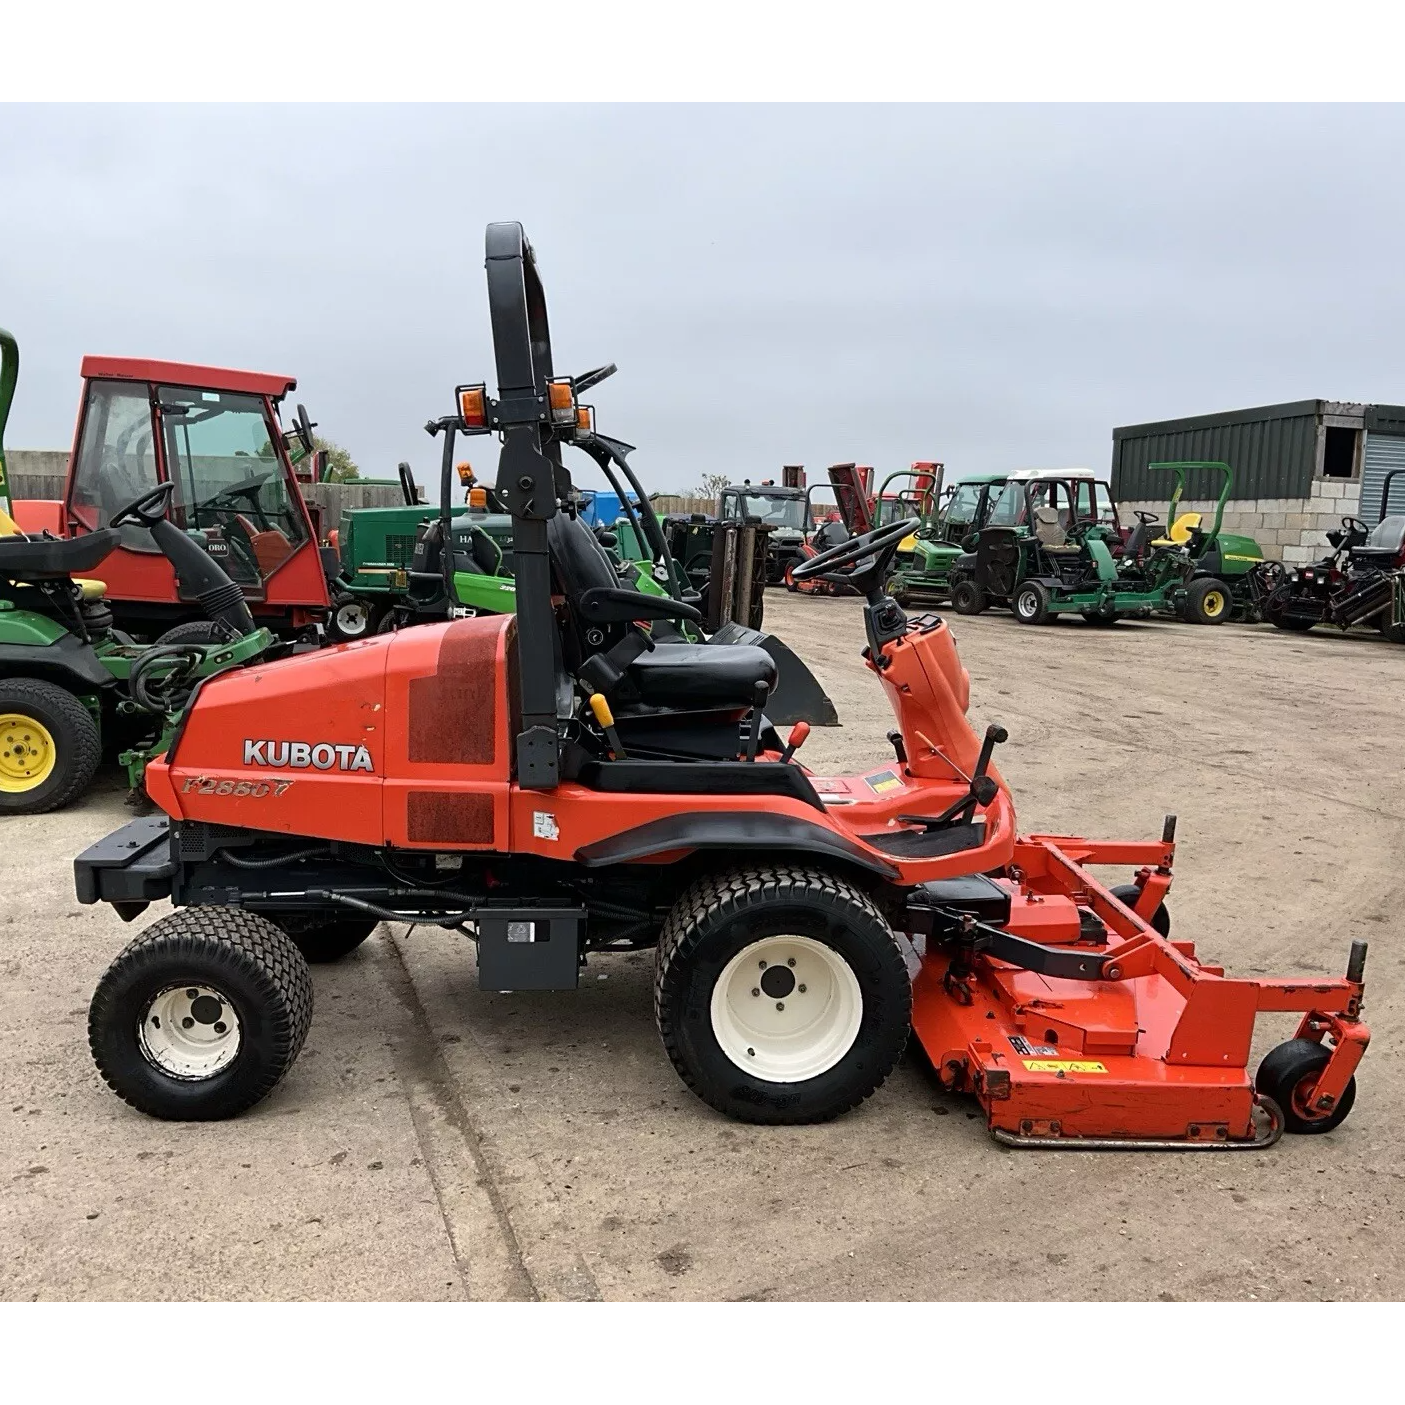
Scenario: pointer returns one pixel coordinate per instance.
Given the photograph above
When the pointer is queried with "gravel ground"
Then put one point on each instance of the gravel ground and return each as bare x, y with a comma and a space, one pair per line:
437, 1142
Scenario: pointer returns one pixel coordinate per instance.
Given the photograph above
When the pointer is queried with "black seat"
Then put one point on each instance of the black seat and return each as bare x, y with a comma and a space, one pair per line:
677, 675
701, 675
55, 557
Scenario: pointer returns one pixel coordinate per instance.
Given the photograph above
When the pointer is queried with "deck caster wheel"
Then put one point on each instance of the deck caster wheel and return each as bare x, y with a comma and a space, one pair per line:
323, 938
780, 994
1096, 617
201, 1015
1031, 604
967, 598
1128, 893
1287, 1074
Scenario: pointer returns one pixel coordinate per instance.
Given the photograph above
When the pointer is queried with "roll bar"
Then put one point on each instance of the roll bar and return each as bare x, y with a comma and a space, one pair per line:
1385, 487
9, 375
1180, 468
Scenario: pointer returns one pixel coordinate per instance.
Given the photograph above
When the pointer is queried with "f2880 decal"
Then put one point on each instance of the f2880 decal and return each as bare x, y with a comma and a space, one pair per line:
302, 756
207, 785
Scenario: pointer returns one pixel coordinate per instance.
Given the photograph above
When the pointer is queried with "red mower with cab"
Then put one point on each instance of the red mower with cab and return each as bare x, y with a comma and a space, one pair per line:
579, 779
214, 434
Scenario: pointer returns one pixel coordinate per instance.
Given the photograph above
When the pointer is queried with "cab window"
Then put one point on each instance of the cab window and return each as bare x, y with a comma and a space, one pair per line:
1008, 508
1052, 494
961, 508
229, 478
116, 457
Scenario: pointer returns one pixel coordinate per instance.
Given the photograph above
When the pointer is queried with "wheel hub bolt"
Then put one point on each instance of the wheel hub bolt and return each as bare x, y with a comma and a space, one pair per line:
187, 1023
220, 1026
780, 1004
801, 989
756, 990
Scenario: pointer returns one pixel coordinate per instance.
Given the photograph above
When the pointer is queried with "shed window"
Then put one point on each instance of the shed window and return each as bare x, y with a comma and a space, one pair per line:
1339, 452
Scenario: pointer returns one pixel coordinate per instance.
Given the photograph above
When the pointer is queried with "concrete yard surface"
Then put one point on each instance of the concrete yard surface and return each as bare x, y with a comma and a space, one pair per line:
437, 1142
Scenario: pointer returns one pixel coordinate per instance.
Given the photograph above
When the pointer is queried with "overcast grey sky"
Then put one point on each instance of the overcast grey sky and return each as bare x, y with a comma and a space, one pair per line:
988, 286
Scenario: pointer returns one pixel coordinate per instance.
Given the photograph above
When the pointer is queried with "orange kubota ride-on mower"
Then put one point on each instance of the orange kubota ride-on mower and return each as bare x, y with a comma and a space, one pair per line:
579, 779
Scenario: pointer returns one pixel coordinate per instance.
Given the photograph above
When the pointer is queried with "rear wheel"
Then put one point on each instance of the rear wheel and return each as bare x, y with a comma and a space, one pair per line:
1394, 632
49, 746
1287, 1075
323, 938
202, 1015
780, 994
1207, 601
1031, 603
967, 598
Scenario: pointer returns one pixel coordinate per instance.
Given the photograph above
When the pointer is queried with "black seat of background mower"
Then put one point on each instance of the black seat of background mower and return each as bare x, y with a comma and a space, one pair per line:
700, 675
61, 556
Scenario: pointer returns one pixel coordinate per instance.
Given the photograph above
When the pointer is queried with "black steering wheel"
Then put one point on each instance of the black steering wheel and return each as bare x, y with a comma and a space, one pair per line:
1355, 524
881, 544
145, 511
1146, 518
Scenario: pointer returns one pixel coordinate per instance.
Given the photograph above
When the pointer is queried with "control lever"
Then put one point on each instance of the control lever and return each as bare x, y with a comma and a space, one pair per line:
983, 788
758, 707
798, 733
606, 719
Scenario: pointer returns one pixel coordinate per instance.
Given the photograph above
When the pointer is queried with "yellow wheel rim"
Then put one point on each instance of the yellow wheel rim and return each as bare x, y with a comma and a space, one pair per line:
1214, 603
27, 753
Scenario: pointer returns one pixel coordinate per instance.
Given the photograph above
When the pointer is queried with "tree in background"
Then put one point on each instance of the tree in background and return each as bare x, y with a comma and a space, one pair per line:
712, 484
341, 467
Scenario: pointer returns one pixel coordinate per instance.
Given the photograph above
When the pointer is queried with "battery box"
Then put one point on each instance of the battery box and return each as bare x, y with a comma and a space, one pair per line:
530, 948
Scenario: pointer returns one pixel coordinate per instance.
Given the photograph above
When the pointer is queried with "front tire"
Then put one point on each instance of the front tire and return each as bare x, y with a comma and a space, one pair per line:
967, 598
201, 1016
1031, 603
780, 994
49, 747
1288, 1073
352, 618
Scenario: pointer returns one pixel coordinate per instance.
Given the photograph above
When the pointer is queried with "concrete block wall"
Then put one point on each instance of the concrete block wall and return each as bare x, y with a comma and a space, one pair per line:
1292, 530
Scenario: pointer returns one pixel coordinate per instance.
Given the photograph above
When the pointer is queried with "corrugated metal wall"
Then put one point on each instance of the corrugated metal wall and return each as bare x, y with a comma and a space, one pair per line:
1383, 452
1272, 450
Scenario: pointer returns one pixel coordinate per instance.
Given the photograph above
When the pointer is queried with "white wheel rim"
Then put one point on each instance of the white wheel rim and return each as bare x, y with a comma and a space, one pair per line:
351, 619
1028, 603
190, 1031
800, 1023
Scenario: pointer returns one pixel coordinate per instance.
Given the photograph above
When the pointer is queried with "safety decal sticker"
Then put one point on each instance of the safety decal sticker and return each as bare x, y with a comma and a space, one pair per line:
544, 825
1021, 1045
883, 780
1064, 1066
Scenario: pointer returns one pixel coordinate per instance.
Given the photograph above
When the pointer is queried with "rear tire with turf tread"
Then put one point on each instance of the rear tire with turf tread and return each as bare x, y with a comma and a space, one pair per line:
1208, 601
718, 918
967, 598
1128, 893
1031, 604
1282, 1072
76, 743
251, 962
322, 938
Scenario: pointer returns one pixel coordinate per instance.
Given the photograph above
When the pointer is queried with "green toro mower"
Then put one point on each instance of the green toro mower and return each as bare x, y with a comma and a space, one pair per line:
1064, 563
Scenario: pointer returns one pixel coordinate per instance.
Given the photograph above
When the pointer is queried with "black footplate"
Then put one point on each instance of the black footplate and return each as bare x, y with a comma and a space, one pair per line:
928, 843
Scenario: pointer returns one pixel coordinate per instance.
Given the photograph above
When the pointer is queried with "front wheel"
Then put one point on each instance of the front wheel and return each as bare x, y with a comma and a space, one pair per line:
967, 598
1207, 601
49, 746
780, 994
1287, 1075
202, 1015
1031, 603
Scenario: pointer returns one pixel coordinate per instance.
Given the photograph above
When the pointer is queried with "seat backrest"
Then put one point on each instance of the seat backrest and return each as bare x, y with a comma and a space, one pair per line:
1046, 526
1182, 527
1388, 534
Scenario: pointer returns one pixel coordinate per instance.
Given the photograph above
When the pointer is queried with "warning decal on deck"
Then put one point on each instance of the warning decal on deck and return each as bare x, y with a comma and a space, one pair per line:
883, 780
1064, 1066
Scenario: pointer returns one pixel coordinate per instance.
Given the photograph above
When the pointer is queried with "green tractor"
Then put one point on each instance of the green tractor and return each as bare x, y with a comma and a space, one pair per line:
1234, 560
1058, 556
